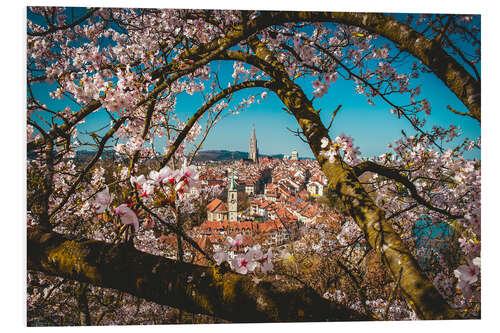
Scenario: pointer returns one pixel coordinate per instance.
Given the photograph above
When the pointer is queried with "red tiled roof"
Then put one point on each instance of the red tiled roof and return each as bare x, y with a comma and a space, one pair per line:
213, 225
213, 205
310, 211
222, 208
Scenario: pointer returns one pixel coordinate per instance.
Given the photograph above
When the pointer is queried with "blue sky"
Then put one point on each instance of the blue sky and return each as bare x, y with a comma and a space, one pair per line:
372, 127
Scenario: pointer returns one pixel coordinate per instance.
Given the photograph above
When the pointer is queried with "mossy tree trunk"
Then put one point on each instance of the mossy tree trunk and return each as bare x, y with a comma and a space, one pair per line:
197, 289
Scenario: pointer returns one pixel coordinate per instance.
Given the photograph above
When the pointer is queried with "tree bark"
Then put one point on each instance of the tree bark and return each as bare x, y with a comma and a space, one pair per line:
83, 304
209, 290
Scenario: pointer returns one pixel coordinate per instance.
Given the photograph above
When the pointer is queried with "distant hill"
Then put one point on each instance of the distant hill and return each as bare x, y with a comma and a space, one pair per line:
205, 155
84, 155
222, 155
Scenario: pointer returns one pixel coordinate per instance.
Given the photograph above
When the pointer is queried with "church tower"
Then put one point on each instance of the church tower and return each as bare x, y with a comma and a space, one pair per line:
253, 154
232, 200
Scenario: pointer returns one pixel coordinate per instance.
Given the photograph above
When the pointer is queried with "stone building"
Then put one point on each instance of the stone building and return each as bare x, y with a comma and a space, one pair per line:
253, 153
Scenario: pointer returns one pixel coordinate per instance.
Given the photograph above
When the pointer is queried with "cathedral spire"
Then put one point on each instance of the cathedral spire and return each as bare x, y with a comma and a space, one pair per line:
253, 153
233, 186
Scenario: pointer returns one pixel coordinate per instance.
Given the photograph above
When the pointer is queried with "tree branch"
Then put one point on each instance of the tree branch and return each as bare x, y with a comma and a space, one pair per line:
398, 177
213, 290
55, 28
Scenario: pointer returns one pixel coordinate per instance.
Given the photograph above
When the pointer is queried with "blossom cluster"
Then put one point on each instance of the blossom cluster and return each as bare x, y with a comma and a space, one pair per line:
467, 275
342, 147
247, 262
178, 181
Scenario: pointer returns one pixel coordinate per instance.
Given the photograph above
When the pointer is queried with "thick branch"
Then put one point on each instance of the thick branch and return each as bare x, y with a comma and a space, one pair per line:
211, 290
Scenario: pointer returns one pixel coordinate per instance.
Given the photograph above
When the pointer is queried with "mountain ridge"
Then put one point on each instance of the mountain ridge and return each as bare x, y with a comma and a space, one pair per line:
204, 155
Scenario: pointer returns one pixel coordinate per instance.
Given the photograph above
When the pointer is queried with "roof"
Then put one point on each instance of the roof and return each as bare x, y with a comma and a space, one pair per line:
222, 208
269, 226
213, 205
212, 224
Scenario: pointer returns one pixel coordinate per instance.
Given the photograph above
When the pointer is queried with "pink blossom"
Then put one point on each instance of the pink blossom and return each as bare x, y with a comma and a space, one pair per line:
189, 178
237, 241
266, 262
324, 142
127, 215
467, 275
244, 263
477, 261
103, 200
155, 176
140, 180
220, 256
148, 188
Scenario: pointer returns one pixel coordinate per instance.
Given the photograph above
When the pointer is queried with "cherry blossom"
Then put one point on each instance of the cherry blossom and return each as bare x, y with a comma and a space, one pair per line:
244, 263
103, 200
237, 241
220, 256
467, 273
267, 262
127, 215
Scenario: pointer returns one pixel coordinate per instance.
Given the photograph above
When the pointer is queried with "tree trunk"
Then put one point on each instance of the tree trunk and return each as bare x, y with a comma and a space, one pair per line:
213, 290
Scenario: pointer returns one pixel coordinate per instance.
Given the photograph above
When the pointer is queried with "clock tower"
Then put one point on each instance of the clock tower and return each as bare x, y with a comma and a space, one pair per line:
232, 200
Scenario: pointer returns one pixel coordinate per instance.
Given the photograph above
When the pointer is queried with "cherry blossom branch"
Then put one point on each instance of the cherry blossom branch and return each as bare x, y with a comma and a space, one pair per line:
376, 91
71, 25
457, 112
63, 128
194, 118
178, 231
398, 177
210, 125
89, 165
431, 53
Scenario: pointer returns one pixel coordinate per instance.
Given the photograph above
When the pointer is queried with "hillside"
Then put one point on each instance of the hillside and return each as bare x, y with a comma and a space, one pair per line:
221, 155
